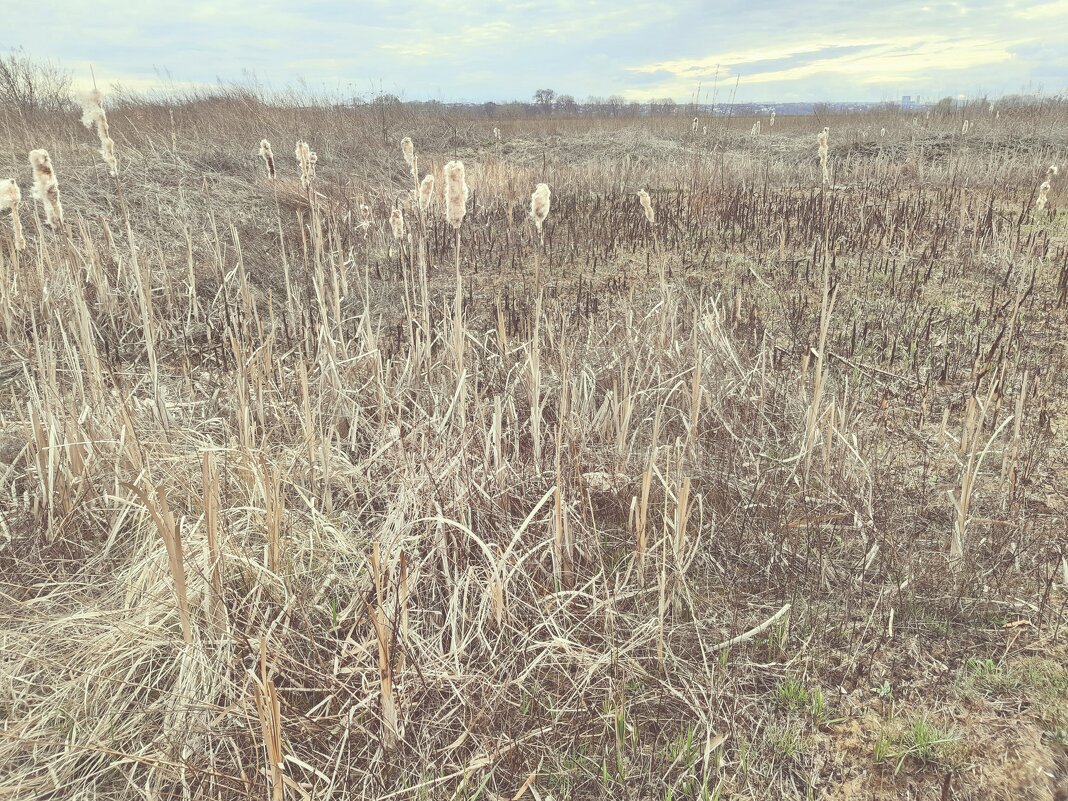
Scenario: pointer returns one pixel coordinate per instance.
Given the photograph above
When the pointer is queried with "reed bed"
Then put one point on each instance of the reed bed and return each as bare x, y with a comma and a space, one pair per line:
715, 482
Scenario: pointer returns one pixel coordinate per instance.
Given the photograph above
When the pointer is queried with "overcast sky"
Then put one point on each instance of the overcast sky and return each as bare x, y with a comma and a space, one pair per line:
461, 50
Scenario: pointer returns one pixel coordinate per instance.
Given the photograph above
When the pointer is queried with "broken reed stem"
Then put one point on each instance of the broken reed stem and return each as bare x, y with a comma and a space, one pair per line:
160, 513
269, 709
383, 635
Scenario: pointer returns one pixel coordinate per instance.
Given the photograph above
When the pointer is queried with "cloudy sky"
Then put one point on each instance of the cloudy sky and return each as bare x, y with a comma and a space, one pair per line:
462, 50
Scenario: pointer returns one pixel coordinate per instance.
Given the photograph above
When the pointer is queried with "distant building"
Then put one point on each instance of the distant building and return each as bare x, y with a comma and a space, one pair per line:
906, 101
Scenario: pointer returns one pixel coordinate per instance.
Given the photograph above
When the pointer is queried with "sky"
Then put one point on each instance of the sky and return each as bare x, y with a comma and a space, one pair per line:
453, 50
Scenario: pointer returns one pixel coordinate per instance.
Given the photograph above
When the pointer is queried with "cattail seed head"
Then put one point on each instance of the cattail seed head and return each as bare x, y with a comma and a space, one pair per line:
647, 205
408, 149
882, 132
539, 205
823, 138
756, 128
694, 126
426, 191
497, 134
1043, 195
93, 115
46, 187
267, 154
964, 128
396, 222
455, 193
11, 199
307, 159
771, 122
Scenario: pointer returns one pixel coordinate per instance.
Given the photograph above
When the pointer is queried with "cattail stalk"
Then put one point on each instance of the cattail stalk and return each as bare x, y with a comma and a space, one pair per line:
267, 154
455, 208
11, 198
650, 217
396, 222
822, 138
1045, 186
46, 187
426, 191
408, 150
307, 159
539, 210
93, 114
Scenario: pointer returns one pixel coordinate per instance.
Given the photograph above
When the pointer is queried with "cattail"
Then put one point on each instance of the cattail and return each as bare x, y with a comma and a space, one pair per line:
647, 204
396, 222
455, 193
539, 205
771, 122
823, 138
45, 187
882, 132
408, 149
11, 198
756, 128
964, 128
497, 134
365, 219
694, 126
1043, 192
268, 157
426, 191
93, 114
307, 159
1045, 186
704, 130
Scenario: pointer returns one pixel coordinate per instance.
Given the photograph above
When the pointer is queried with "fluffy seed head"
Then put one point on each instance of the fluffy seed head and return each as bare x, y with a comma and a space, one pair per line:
408, 149
455, 193
267, 154
694, 126
11, 198
647, 205
396, 222
882, 132
426, 191
756, 128
93, 115
307, 159
1043, 193
771, 122
823, 138
45, 187
10, 194
539, 205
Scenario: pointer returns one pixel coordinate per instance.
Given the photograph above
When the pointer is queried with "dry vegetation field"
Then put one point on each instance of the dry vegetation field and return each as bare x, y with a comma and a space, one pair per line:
763, 499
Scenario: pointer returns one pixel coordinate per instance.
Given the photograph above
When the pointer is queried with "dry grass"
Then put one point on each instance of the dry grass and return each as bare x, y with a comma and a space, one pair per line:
725, 503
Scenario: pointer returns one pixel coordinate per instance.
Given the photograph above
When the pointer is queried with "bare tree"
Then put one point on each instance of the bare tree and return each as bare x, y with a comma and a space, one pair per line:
30, 85
544, 99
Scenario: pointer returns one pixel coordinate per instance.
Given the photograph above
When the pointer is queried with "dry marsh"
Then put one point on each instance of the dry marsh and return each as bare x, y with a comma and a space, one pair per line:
743, 473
